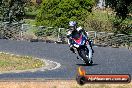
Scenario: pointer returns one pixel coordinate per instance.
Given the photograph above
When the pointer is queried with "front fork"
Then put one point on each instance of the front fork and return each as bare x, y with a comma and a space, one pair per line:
90, 51
90, 43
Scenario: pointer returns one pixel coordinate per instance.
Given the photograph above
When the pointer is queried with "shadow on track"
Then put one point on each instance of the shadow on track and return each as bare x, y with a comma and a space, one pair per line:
86, 65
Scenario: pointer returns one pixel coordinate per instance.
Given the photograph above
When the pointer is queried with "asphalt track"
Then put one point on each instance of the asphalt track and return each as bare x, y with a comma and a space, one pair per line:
106, 60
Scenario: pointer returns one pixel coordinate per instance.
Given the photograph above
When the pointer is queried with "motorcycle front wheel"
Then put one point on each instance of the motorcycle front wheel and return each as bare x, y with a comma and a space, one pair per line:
83, 54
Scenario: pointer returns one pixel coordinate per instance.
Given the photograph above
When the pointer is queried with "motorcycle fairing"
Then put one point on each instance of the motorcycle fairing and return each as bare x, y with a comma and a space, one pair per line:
80, 41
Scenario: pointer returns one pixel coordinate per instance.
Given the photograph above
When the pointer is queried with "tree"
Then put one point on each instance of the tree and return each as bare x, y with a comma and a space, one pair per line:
130, 8
58, 13
12, 10
120, 7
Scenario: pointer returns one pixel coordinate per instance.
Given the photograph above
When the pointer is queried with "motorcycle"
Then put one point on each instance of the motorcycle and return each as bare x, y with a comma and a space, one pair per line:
80, 45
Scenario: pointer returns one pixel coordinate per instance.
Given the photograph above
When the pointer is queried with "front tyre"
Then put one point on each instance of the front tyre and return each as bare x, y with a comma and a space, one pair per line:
83, 54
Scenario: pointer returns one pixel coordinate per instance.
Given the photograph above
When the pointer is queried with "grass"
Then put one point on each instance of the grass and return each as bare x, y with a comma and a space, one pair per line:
29, 21
31, 30
59, 84
103, 15
12, 62
130, 33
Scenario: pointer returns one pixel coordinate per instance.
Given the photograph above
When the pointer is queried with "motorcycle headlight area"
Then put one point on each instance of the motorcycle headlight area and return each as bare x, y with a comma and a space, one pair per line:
76, 45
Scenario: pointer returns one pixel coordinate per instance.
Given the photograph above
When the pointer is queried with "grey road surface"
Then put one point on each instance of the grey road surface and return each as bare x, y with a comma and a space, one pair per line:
106, 60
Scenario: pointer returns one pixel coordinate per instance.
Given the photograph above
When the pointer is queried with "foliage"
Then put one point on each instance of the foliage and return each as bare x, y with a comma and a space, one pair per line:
130, 8
121, 7
58, 13
12, 10
31, 9
122, 26
45, 32
122, 22
105, 21
29, 21
99, 21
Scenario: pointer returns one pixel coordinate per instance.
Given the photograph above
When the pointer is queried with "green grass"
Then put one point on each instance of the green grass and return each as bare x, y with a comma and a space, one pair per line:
31, 10
130, 33
12, 62
102, 15
29, 21
31, 31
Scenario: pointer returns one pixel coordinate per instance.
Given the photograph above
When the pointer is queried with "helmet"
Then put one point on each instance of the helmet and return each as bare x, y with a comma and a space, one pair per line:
72, 23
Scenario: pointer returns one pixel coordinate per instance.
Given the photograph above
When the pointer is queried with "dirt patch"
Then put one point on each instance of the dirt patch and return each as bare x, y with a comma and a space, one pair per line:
59, 84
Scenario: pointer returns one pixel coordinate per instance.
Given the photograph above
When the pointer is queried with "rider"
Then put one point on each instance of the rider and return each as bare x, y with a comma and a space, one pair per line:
76, 31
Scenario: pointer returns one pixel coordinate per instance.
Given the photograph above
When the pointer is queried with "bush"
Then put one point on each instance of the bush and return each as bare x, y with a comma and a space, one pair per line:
31, 9
98, 21
58, 13
122, 26
101, 20
46, 32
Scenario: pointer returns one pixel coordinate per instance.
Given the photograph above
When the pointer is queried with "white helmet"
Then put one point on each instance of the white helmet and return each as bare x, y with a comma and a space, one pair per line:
72, 23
